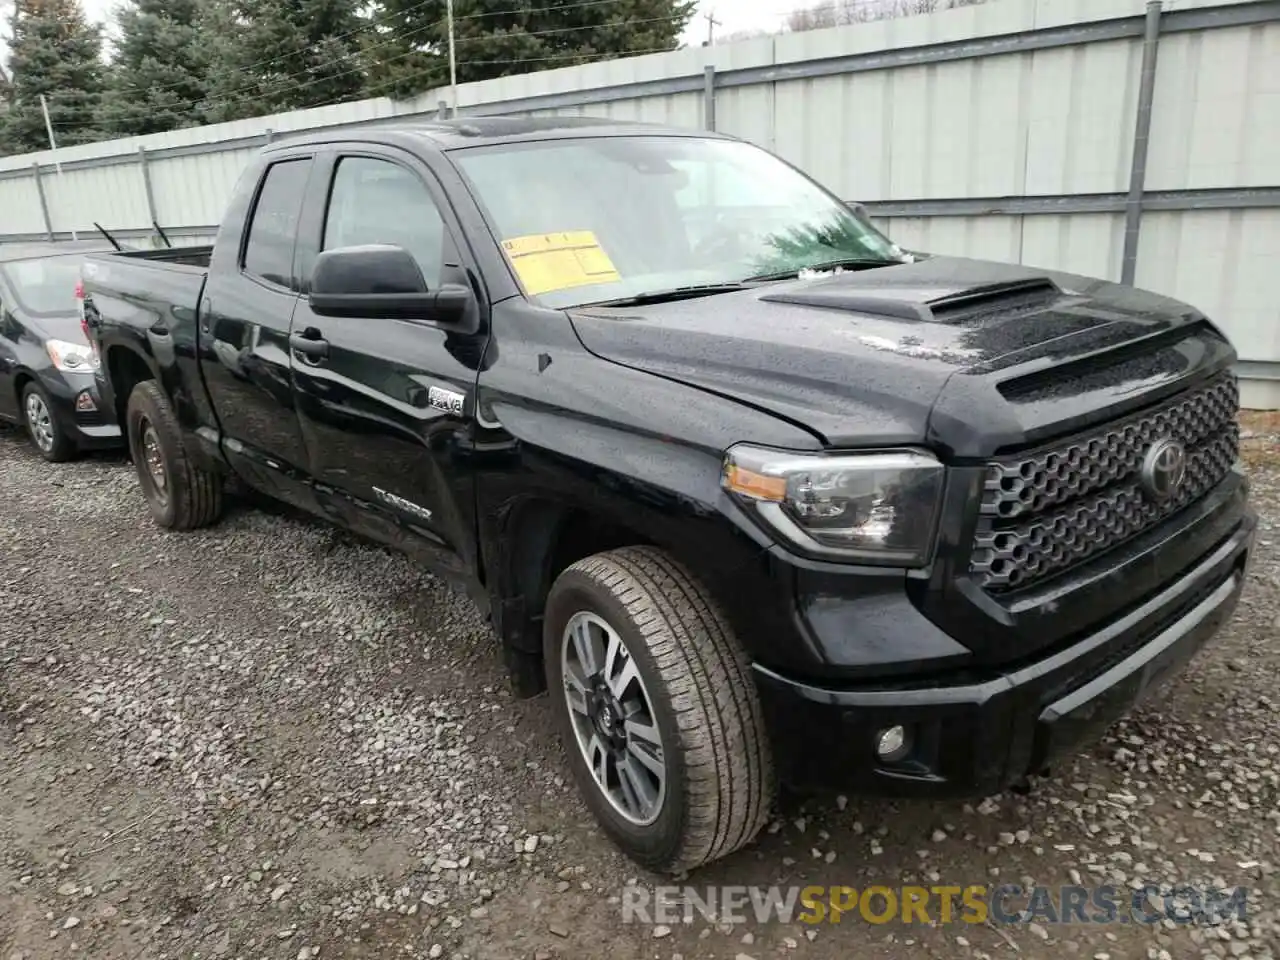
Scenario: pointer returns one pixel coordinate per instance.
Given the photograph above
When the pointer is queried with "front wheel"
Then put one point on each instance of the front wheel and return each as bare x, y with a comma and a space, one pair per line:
656, 709
43, 426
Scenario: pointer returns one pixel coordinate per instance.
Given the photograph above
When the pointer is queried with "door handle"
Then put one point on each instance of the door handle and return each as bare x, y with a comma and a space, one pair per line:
313, 347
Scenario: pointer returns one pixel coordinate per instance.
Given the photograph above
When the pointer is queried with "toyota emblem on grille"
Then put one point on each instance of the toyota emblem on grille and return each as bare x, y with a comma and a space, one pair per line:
1163, 469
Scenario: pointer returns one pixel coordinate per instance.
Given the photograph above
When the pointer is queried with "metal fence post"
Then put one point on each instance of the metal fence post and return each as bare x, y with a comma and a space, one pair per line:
1141, 141
146, 185
442, 113
709, 96
44, 203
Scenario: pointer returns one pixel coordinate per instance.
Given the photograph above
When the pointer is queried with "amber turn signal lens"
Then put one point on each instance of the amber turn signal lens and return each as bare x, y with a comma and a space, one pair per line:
748, 483
872, 506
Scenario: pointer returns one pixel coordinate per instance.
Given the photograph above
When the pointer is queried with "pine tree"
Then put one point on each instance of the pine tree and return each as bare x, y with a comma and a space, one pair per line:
622, 28
298, 53
56, 52
231, 90
408, 51
6, 95
158, 79
6, 82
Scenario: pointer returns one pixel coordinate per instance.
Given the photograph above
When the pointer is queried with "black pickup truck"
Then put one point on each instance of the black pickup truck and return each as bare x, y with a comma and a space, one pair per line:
753, 492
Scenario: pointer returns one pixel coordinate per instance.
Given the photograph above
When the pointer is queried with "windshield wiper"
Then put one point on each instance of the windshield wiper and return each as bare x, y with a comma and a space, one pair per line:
864, 263
671, 294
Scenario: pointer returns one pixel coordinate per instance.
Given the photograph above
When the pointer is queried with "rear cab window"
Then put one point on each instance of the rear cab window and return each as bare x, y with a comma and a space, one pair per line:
273, 228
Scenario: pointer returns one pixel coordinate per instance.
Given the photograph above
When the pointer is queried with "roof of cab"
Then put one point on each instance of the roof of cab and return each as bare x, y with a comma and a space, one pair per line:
478, 131
30, 251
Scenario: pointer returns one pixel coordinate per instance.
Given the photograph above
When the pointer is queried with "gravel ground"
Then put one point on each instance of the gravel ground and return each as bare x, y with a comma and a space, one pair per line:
266, 740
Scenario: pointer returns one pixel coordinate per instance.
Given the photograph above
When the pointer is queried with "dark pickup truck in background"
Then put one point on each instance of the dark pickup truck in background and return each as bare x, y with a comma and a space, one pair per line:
751, 491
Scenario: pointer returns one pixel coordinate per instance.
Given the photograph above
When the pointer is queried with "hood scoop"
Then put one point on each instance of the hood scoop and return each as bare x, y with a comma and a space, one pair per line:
941, 303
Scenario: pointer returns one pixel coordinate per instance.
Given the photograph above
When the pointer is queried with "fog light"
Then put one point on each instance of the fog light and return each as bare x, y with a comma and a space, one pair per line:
84, 402
892, 743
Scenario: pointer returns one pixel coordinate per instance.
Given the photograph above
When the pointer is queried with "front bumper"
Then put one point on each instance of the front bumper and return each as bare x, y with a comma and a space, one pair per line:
91, 429
975, 734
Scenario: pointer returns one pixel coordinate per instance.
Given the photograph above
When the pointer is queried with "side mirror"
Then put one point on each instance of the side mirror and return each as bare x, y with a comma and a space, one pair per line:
858, 210
383, 281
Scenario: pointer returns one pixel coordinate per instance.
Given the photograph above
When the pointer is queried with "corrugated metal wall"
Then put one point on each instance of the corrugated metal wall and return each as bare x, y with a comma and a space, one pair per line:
1002, 131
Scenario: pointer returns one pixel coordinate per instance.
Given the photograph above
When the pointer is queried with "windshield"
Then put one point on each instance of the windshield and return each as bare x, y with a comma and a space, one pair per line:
44, 286
597, 219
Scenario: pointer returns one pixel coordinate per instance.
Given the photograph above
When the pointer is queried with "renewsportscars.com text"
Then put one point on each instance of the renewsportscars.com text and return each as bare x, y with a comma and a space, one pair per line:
975, 904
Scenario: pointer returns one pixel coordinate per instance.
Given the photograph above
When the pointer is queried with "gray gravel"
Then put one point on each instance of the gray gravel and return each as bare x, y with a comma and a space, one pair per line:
267, 740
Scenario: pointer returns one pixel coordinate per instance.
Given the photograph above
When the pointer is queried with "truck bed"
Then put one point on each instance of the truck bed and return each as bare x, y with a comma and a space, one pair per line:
130, 295
176, 256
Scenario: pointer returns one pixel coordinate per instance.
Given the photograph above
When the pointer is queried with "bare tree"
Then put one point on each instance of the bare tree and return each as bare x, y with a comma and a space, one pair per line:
743, 35
838, 13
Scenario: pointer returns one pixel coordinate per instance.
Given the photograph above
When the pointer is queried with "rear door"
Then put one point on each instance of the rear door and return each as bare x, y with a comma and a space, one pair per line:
244, 320
387, 409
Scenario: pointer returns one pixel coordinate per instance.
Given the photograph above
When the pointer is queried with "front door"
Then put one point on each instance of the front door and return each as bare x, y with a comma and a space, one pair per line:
384, 408
244, 320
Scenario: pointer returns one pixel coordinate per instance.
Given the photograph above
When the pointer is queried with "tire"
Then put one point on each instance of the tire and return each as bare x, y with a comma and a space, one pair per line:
181, 495
48, 435
675, 649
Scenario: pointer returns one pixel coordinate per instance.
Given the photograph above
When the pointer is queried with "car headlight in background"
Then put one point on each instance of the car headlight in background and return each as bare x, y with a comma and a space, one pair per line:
71, 357
878, 508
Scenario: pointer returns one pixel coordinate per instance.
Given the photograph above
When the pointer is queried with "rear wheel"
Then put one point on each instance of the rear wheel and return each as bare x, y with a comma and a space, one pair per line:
656, 709
181, 495
46, 432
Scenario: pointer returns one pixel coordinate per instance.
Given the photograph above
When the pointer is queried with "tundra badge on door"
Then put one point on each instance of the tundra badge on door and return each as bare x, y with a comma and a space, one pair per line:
400, 503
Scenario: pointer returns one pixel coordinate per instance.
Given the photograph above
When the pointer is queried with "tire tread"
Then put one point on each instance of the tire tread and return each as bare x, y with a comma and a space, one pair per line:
196, 493
729, 769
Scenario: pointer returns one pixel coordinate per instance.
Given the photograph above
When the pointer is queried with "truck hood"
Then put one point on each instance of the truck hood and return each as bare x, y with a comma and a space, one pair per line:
865, 358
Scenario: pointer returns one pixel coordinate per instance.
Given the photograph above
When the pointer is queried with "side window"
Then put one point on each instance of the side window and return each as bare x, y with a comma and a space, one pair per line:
269, 252
377, 201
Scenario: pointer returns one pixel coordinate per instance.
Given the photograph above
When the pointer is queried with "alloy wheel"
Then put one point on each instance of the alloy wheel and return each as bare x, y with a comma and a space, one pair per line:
40, 421
613, 718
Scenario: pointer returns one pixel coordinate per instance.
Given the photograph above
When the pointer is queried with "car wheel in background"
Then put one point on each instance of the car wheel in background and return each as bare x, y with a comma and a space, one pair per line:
181, 495
48, 435
656, 709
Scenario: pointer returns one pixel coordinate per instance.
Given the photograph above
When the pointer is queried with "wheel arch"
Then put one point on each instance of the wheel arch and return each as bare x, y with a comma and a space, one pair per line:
543, 537
126, 368
20, 381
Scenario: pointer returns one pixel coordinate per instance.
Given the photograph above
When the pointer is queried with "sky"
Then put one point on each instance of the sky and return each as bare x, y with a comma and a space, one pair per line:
739, 15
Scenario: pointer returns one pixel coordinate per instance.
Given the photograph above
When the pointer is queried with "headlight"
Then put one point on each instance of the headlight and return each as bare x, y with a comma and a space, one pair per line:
71, 357
876, 508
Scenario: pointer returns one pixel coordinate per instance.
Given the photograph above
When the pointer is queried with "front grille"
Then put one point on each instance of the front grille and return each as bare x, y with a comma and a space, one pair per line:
1045, 511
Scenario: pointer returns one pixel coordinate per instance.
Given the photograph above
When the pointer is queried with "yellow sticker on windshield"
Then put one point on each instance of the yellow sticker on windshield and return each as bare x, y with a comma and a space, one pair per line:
557, 261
